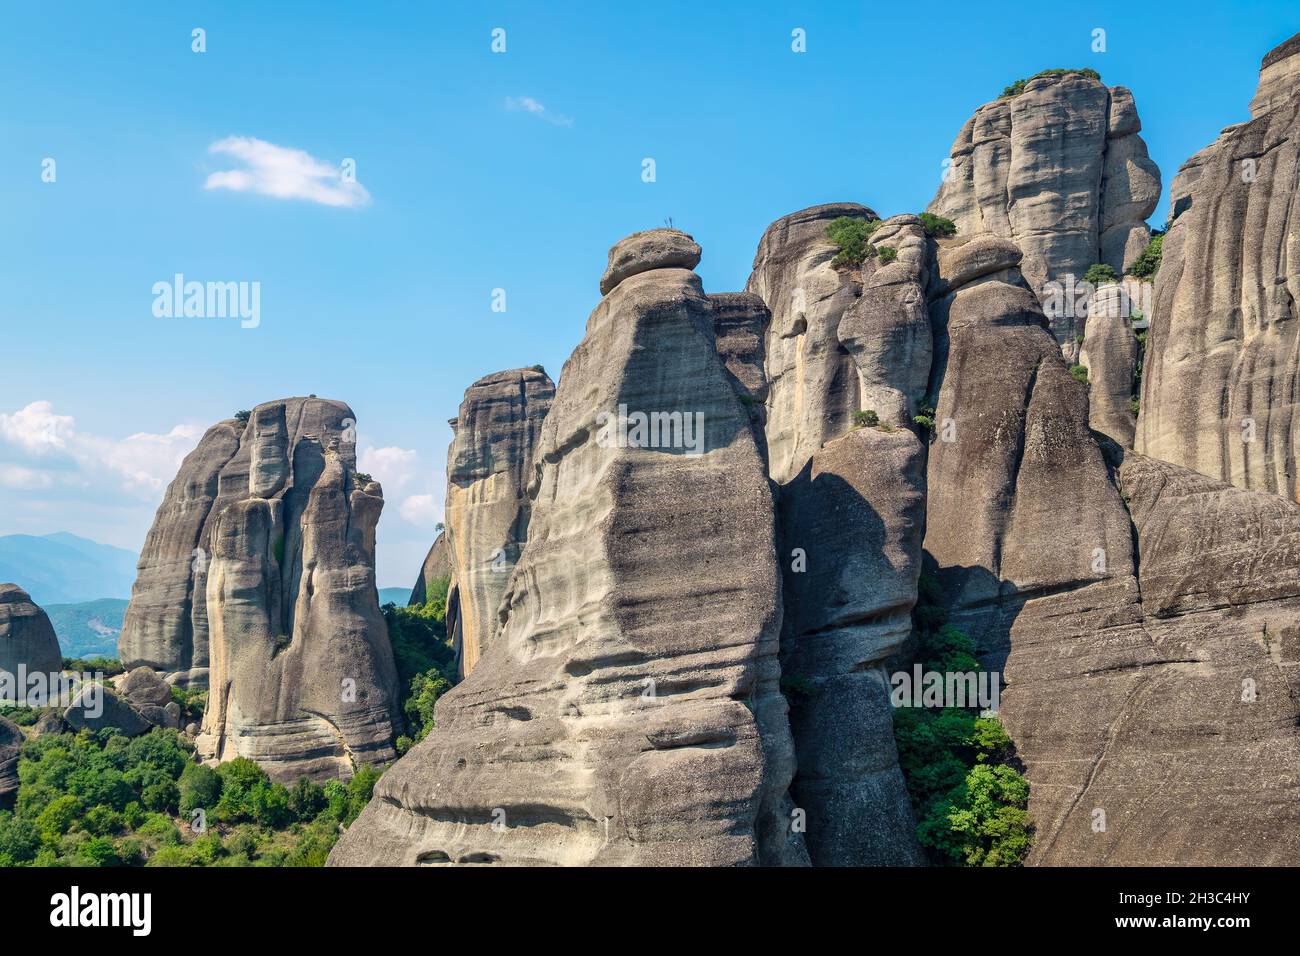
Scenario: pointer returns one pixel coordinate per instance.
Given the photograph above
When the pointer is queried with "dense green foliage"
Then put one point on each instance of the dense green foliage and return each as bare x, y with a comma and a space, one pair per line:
937, 227
967, 794
1079, 373
852, 237
101, 799
108, 666
887, 254
1100, 274
866, 419
426, 661
1018, 87
1146, 265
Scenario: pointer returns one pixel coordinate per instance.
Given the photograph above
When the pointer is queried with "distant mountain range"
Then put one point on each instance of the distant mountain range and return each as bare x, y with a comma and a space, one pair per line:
89, 629
63, 568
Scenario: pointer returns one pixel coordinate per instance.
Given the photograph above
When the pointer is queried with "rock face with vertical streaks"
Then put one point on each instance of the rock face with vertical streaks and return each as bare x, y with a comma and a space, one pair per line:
11, 742
489, 465
166, 624
812, 382
627, 711
850, 515
1061, 171
302, 677
1221, 386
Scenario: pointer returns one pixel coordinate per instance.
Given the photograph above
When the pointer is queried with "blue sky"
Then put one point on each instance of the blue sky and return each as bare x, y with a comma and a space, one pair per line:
482, 171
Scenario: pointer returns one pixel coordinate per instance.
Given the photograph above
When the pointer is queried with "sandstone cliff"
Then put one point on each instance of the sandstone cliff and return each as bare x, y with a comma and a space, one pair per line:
627, 711
1060, 170
437, 565
11, 742
27, 638
1223, 353
280, 599
489, 465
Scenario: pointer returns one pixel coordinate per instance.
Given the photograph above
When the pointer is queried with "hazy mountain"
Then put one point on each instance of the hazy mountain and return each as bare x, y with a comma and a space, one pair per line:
398, 596
62, 568
88, 629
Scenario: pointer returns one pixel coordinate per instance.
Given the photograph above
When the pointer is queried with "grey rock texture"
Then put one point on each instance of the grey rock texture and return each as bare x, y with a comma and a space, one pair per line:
489, 466
1167, 702
148, 694
844, 339
1060, 170
27, 638
886, 329
1223, 352
740, 321
1019, 495
652, 249
812, 380
627, 711
1110, 353
302, 677
98, 708
437, 565
856, 510
166, 625
11, 742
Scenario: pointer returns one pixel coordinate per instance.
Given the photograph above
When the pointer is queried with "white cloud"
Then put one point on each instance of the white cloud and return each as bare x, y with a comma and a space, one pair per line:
36, 428
392, 467
284, 173
420, 510
24, 479
526, 104
42, 449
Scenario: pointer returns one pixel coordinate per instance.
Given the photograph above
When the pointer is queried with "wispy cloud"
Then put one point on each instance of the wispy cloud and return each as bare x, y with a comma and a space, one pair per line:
284, 173
526, 104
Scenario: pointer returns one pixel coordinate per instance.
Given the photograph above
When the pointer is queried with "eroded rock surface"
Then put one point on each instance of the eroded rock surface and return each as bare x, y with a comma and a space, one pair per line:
437, 565
1060, 170
489, 465
302, 677
812, 381
166, 624
27, 639
627, 711
1219, 390
11, 742
1110, 354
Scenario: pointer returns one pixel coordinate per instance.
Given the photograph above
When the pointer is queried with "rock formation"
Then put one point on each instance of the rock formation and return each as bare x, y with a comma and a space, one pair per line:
166, 624
1110, 354
1060, 170
627, 710
27, 638
489, 465
302, 677
811, 380
1223, 353
437, 566
11, 742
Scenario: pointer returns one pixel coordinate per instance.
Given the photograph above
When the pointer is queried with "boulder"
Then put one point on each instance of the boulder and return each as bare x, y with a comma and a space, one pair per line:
627, 710
28, 644
95, 707
489, 465
1223, 351
644, 251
